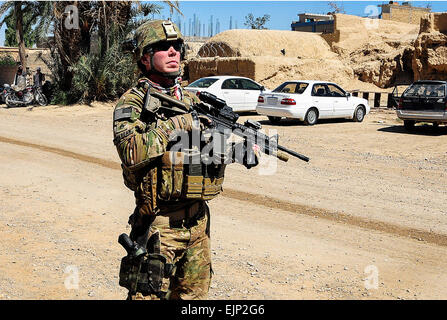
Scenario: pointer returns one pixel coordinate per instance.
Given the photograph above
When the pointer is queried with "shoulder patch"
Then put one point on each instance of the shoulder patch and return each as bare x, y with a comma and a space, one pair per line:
122, 113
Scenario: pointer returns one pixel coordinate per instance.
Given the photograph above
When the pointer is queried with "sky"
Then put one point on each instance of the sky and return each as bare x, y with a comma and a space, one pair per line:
282, 13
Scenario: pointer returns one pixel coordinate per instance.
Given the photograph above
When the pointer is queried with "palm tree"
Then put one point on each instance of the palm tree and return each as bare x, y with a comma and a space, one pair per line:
18, 12
106, 18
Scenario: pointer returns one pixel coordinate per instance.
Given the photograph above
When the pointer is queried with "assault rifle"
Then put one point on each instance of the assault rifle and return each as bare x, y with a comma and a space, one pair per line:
225, 119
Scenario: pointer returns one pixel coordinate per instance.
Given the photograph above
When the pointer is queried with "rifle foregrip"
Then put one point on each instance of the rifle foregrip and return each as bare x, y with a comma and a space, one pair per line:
282, 156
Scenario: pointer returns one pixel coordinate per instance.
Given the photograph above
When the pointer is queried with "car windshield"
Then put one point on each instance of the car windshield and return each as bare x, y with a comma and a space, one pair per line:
292, 87
425, 90
203, 83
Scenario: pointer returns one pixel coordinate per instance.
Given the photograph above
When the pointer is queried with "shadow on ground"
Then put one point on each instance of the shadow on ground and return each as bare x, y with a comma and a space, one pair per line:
423, 130
296, 122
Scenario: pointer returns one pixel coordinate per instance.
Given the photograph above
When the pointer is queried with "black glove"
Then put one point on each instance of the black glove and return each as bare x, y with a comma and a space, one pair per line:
247, 154
203, 120
140, 224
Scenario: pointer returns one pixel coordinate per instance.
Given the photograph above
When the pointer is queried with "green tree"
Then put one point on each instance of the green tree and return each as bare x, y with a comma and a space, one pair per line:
256, 23
29, 35
17, 7
111, 21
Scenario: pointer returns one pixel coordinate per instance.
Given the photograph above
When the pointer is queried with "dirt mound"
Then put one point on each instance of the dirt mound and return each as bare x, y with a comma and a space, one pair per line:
272, 71
272, 57
361, 53
352, 33
255, 43
378, 51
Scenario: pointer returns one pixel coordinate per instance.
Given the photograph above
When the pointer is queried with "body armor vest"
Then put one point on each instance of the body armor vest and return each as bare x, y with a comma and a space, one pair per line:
175, 179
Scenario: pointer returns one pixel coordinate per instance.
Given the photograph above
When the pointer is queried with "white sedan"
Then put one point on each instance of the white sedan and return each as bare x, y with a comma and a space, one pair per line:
309, 100
240, 93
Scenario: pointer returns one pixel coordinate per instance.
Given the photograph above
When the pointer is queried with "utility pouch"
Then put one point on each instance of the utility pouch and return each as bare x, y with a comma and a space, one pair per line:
129, 273
151, 274
145, 273
194, 177
193, 187
171, 175
210, 189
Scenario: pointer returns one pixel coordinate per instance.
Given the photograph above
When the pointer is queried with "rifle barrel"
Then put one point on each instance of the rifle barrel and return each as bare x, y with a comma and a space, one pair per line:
293, 153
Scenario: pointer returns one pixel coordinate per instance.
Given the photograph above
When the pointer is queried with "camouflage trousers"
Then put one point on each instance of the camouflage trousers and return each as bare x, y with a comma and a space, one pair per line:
186, 245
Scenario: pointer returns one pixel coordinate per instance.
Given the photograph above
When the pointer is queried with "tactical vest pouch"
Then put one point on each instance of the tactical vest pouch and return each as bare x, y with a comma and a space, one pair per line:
193, 187
171, 176
214, 177
194, 177
211, 188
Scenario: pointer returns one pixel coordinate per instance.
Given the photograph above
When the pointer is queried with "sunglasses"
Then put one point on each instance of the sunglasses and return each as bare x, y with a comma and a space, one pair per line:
165, 45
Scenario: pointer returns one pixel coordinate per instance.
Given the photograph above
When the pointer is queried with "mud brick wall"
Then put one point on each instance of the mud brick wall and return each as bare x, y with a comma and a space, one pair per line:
236, 66
404, 14
33, 61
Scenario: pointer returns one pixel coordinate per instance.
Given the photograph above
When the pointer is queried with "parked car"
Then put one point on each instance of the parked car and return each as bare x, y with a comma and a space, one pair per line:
240, 93
423, 101
310, 100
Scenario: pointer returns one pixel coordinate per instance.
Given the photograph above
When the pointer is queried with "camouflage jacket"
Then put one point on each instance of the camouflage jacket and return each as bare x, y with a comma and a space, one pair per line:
141, 140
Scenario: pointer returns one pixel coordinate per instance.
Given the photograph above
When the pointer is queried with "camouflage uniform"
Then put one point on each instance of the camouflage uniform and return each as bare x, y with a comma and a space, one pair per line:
178, 226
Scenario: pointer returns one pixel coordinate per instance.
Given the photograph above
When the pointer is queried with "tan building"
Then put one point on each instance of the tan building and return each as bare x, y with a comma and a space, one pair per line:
403, 13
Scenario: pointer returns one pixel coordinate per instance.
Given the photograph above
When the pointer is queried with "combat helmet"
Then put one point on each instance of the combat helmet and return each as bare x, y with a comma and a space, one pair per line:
148, 35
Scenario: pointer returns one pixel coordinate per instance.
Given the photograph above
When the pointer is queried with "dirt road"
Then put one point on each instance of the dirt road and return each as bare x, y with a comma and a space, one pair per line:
366, 218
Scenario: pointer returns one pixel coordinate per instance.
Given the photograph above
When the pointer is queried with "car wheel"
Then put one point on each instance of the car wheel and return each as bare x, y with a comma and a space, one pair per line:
359, 114
409, 124
274, 120
311, 117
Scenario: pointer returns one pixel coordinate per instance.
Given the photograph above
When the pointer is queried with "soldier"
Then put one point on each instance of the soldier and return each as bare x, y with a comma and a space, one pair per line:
171, 218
